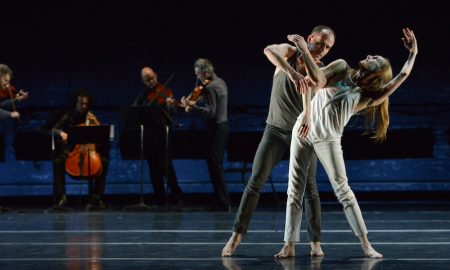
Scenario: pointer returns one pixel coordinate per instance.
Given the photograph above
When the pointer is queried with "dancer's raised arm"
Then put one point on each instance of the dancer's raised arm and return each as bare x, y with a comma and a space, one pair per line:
410, 43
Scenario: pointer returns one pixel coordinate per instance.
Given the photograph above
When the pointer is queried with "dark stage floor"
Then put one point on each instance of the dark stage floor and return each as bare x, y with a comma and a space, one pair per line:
411, 236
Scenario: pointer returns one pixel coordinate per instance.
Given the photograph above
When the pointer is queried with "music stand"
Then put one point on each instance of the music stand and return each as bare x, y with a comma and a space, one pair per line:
89, 135
151, 118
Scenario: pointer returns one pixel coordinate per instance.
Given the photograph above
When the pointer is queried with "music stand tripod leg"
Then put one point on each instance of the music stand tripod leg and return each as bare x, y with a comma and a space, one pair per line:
167, 165
141, 206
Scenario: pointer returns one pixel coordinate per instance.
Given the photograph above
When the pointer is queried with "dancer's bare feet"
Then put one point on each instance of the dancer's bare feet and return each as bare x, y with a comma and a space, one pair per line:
367, 248
287, 251
316, 249
232, 244
370, 252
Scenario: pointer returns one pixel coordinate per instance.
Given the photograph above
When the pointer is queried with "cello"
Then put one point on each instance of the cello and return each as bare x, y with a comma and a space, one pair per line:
84, 162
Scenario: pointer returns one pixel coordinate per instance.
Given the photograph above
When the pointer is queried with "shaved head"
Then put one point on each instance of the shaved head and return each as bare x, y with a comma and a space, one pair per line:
149, 77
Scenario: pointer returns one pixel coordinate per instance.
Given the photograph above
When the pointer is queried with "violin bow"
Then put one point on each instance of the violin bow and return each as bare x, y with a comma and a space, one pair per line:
161, 94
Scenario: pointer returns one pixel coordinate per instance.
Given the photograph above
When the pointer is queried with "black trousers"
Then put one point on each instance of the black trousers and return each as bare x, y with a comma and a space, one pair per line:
216, 141
59, 175
155, 147
157, 169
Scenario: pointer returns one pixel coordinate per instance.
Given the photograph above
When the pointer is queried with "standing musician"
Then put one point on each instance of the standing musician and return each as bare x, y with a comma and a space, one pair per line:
78, 114
7, 97
213, 106
156, 94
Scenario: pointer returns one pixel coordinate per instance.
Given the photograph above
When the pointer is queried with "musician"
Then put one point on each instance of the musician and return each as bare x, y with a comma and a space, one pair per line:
8, 94
78, 113
213, 106
156, 94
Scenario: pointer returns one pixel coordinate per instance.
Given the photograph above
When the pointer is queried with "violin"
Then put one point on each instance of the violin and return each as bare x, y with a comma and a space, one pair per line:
195, 94
9, 92
12, 94
84, 162
159, 94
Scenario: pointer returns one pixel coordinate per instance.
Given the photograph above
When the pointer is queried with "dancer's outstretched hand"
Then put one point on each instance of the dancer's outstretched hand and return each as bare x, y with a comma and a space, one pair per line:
409, 39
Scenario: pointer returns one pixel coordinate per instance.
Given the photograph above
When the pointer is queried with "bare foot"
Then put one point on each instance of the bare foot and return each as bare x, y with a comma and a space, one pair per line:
287, 251
370, 252
316, 250
232, 244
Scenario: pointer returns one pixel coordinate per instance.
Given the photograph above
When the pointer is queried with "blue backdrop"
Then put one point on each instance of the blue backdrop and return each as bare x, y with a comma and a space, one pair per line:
57, 49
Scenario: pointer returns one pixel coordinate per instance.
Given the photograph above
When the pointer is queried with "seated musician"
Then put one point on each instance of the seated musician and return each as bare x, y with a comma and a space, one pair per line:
78, 114
156, 94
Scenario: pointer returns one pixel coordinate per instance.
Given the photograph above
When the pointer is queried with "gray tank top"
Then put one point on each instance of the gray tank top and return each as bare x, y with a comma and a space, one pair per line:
285, 102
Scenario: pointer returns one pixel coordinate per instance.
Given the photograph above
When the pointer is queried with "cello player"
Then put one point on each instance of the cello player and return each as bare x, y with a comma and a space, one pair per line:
77, 114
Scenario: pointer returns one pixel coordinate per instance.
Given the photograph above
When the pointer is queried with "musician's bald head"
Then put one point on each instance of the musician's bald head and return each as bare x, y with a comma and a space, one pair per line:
149, 77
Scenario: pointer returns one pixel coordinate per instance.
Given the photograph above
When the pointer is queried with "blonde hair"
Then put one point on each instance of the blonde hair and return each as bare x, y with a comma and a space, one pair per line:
380, 113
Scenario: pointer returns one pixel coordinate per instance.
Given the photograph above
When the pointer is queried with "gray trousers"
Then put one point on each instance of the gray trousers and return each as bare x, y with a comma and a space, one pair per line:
331, 157
274, 144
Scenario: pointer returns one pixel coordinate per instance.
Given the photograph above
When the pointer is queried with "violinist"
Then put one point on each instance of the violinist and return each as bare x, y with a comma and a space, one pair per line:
7, 110
156, 94
78, 114
8, 94
212, 104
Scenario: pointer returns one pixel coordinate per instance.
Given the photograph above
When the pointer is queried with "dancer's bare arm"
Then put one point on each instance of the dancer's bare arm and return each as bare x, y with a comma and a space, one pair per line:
410, 43
278, 54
